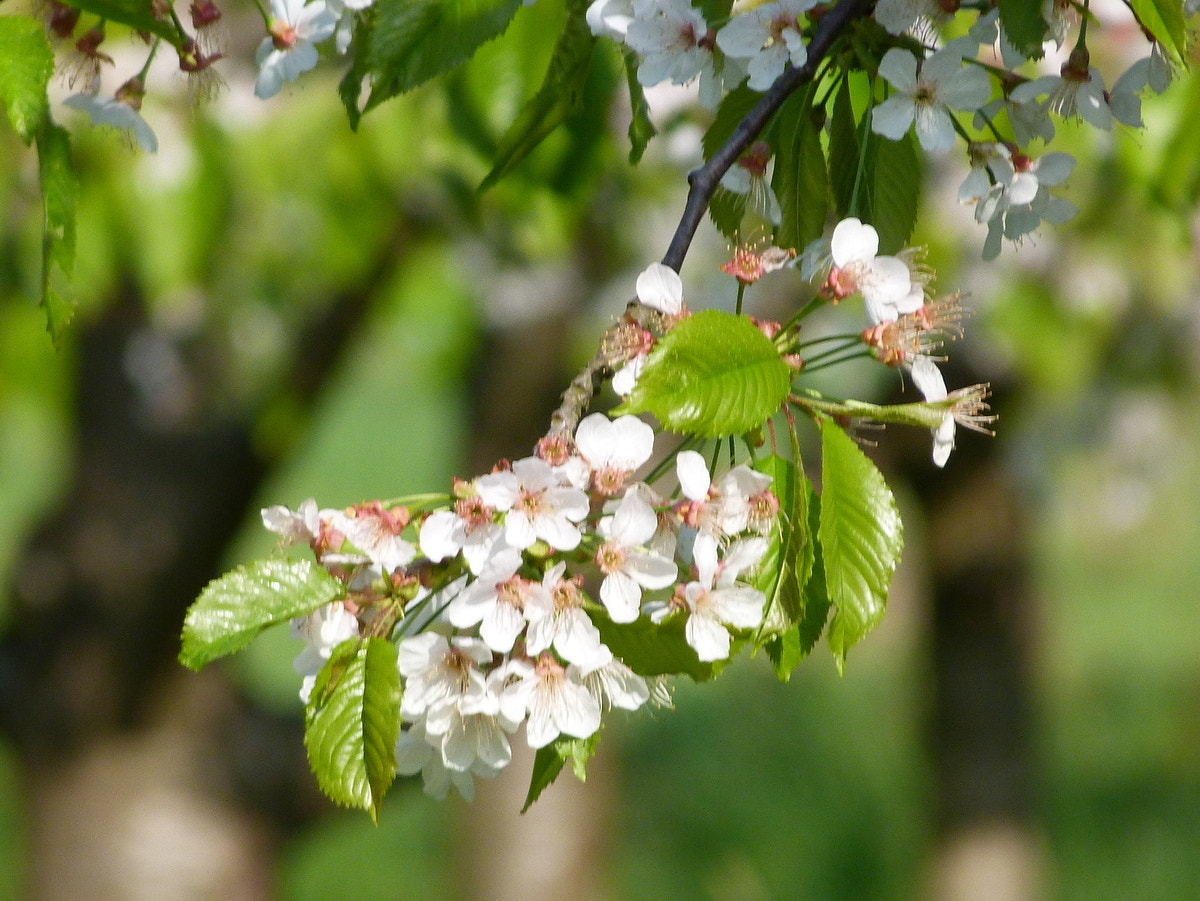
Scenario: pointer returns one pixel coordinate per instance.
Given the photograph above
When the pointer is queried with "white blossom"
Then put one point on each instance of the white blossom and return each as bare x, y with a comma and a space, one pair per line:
613, 449
557, 619
322, 631
925, 97
288, 51
117, 114
769, 38
495, 602
537, 506
554, 699
627, 566
716, 601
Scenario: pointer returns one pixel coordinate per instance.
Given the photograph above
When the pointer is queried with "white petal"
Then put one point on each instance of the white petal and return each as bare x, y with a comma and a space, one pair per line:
708, 637
853, 241
693, 474
660, 287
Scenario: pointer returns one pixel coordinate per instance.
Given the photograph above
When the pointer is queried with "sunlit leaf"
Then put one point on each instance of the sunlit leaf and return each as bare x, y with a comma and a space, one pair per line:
861, 538
1164, 19
26, 64
233, 609
714, 374
353, 722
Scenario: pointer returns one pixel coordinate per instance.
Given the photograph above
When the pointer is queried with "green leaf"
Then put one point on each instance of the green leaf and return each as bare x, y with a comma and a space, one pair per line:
26, 64
549, 761
137, 14
557, 98
60, 189
730, 113
353, 722
1024, 25
651, 649
843, 153
788, 560
714, 374
800, 181
816, 593
641, 129
1164, 19
408, 42
860, 535
1177, 181
233, 609
896, 175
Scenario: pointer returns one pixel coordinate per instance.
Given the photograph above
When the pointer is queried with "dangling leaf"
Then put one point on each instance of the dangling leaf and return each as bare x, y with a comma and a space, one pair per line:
60, 189
896, 175
641, 129
860, 535
1024, 25
28, 63
353, 722
405, 43
557, 98
844, 153
549, 762
800, 181
713, 375
240, 604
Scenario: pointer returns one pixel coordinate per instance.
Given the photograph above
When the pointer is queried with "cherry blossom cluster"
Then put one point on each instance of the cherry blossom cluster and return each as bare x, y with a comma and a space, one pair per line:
906, 325
293, 29
974, 74
494, 600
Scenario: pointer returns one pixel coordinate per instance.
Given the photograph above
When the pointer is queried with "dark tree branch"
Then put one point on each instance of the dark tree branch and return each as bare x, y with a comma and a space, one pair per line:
704, 180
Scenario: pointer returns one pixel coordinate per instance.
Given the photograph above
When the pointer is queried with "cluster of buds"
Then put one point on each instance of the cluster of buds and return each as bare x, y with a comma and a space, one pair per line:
497, 595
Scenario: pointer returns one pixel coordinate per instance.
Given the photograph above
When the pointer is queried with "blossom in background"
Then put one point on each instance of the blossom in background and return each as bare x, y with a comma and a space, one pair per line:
343, 12
1077, 91
750, 177
768, 38
610, 18
376, 532
120, 111
926, 94
288, 52
675, 45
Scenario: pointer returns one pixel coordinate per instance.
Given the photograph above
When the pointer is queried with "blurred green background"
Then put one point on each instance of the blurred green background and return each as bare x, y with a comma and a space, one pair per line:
347, 312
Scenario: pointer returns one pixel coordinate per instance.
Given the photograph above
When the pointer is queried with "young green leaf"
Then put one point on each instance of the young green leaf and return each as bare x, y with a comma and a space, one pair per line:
860, 535
789, 557
353, 722
60, 188
557, 98
713, 375
28, 63
233, 609
411, 41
